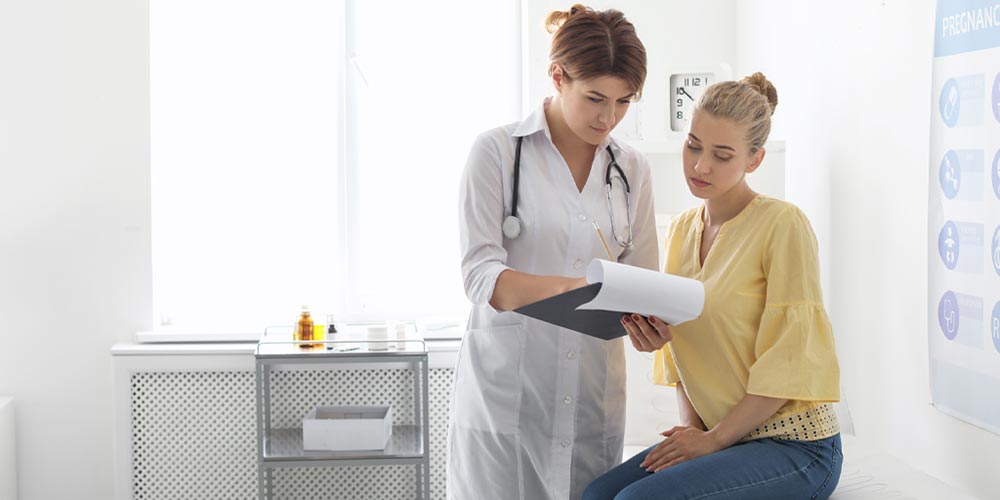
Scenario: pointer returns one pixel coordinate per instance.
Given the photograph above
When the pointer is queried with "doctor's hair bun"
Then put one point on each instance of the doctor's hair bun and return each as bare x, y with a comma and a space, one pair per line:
761, 84
556, 18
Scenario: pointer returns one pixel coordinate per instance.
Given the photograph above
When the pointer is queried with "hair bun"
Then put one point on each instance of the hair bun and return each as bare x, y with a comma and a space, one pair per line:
556, 18
761, 84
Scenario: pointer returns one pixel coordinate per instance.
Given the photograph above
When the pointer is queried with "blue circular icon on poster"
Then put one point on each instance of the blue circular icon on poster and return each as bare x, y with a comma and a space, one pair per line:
948, 315
950, 175
996, 174
948, 245
996, 97
995, 250
995, 326
950, 102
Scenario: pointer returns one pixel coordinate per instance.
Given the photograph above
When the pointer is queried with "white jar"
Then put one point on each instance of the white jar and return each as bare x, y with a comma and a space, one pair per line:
379, 334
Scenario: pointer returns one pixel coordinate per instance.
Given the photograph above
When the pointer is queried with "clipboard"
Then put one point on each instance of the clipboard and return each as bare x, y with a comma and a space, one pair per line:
561, 310
615, 290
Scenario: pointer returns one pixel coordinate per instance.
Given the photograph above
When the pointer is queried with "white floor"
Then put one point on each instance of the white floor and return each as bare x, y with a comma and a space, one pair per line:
869, 475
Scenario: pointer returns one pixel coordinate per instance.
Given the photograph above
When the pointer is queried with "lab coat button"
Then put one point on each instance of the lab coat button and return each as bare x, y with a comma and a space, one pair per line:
571, 355
582, 217
578, 264
565, 443
567, 400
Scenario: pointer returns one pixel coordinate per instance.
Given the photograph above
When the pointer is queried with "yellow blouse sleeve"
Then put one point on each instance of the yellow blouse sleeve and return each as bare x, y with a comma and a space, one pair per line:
795, 353
664, 369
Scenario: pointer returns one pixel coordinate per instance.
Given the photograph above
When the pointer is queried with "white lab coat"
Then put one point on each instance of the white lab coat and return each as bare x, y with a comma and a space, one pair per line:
538, 411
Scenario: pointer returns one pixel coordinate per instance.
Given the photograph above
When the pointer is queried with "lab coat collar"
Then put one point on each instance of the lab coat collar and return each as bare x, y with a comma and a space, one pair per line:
535, 122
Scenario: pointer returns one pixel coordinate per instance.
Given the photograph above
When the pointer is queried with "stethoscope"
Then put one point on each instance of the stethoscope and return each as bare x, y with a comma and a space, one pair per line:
512, 224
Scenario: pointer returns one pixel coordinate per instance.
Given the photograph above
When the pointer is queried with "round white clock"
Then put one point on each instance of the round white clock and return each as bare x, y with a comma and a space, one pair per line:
685, 89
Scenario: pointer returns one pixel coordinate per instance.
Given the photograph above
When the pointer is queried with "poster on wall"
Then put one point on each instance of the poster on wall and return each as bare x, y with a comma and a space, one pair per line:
964, 213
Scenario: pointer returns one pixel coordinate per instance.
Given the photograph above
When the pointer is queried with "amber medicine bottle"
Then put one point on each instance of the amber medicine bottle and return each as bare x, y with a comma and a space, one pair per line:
304, 328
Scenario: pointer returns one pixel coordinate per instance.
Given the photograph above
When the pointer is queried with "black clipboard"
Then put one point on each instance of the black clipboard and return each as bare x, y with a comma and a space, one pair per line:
561, 310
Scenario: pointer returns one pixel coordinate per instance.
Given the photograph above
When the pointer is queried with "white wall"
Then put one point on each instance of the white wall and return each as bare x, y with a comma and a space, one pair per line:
853, 80
74, 229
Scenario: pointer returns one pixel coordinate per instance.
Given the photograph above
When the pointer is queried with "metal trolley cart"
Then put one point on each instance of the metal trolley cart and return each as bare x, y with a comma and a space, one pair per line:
283, 448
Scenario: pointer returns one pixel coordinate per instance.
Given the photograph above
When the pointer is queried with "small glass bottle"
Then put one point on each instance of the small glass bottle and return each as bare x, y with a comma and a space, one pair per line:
332, 328
304, 328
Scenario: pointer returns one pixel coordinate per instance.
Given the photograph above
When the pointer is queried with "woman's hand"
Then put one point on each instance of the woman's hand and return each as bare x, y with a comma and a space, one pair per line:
680, 445
646, 335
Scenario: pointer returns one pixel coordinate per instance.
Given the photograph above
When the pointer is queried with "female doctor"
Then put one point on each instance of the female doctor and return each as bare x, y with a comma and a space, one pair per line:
538, 411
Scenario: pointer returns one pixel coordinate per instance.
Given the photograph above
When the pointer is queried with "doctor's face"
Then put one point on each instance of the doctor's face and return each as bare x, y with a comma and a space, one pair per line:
593, 107
717, 156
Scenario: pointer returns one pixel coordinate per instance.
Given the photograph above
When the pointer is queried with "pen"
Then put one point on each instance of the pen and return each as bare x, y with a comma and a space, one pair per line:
604, 243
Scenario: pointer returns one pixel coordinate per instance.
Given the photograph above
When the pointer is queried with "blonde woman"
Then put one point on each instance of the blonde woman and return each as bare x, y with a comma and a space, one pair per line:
756, 373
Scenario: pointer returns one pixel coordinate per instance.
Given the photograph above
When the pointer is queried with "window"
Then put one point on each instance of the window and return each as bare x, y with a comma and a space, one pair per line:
309, 152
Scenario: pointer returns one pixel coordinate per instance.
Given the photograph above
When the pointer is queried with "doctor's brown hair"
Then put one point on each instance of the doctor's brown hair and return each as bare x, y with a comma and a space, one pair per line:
749, 102
591, 44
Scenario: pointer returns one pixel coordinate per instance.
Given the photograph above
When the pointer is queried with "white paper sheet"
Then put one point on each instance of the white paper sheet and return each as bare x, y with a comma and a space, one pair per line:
631, 289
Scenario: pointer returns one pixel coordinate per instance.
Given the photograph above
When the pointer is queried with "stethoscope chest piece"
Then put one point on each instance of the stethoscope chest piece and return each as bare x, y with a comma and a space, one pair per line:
511, 227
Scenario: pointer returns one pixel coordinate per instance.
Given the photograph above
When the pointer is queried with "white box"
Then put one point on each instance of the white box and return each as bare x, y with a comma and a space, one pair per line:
340, 428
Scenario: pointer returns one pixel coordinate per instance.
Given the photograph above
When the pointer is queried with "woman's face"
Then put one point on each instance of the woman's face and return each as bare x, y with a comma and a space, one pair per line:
717, 156
593, 107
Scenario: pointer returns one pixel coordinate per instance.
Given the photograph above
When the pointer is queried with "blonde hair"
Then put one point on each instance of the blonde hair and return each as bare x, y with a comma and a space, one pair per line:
589, 44
749, 102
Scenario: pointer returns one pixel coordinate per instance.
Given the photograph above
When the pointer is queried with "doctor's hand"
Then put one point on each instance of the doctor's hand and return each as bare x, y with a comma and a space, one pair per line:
580, 282
647, 335
681, 444
570, 284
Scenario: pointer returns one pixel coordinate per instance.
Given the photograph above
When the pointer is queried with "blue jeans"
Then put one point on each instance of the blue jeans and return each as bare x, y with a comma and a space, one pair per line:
765, 469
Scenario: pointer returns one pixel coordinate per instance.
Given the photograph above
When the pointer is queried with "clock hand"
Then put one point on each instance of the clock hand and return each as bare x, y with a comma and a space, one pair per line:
685, 92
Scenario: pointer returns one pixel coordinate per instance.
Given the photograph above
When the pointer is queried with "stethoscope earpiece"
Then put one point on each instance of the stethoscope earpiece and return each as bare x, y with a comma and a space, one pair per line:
511, 227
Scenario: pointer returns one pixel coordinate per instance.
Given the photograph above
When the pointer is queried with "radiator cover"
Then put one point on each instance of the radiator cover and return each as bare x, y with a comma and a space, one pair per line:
193, 433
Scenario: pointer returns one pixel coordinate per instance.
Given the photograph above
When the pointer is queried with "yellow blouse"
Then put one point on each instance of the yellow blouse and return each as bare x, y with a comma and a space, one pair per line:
763, 329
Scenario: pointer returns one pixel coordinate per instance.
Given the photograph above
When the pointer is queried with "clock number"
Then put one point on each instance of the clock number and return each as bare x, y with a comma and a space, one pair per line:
687, 88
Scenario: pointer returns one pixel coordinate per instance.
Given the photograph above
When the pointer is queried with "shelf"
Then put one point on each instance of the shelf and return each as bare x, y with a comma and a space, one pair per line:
285, 445
344, 349
279, 448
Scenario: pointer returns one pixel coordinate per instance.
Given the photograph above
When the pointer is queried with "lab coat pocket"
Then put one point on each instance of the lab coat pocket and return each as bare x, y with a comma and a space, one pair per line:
489, 378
